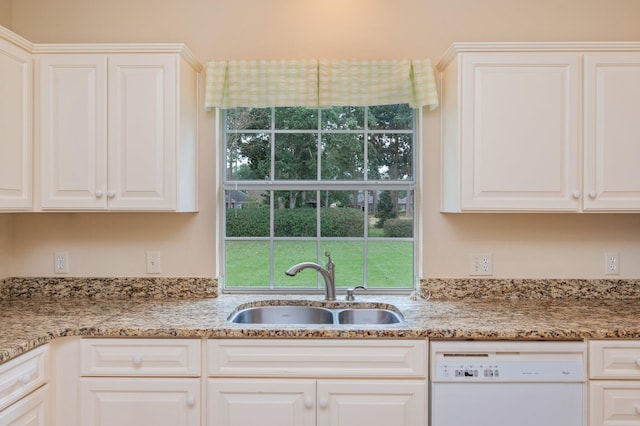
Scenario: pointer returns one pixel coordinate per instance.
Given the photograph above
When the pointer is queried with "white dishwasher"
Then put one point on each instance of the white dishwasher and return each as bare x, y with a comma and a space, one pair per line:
477, 383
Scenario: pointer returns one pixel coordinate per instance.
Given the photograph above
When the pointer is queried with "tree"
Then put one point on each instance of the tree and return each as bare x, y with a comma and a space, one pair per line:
390, 154
250, 142
385, 209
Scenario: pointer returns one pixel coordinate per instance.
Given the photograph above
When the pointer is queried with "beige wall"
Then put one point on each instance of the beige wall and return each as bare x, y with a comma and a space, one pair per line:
523, 245
6, 239
6, 13
6, 234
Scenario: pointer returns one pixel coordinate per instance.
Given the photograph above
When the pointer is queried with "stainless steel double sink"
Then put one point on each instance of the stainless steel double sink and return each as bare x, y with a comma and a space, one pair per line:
295, 314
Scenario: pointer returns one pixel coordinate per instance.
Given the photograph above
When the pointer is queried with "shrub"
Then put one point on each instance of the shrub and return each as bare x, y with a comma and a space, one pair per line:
248, 222
398, 228
342, 222
300, 222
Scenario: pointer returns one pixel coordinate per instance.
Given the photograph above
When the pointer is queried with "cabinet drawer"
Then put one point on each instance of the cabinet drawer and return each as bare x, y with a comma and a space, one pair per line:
140, 357
614, 403
317, 358
24, 374
31, 410
614, 359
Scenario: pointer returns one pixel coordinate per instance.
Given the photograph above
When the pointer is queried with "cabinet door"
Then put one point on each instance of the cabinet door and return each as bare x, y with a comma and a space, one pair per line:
15, 127
139, 402
32, 410
519, 132
72, 139
614, 403
142, 131
372, 402
265, 402
612, 131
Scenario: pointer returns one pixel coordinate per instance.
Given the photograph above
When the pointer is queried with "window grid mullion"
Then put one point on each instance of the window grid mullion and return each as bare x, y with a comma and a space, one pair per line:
319, 186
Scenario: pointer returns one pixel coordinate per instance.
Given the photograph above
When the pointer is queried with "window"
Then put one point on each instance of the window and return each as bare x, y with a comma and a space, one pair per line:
302, 181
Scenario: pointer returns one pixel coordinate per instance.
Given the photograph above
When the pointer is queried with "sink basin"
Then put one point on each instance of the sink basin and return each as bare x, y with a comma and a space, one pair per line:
302, 314
284, 315
368, 316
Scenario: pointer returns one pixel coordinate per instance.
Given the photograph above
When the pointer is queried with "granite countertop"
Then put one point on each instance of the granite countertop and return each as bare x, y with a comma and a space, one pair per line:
27, 322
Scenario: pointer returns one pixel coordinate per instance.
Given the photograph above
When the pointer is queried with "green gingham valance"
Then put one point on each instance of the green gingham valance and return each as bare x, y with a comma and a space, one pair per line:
319, 83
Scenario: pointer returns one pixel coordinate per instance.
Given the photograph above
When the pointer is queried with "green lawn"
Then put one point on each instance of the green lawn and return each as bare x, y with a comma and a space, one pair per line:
390, 263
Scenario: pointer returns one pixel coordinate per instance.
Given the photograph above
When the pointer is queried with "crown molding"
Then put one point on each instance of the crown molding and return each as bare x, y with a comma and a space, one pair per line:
10, 36
105, 48
578, 46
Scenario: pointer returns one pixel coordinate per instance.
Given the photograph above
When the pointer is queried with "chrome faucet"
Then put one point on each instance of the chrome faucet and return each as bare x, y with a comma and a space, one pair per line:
328, 274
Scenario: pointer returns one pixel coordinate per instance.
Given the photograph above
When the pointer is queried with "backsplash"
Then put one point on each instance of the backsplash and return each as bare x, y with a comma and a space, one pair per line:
489, 288
155, 288
432, 288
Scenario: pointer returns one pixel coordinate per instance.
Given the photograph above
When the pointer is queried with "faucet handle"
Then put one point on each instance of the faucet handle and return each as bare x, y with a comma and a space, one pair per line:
350, 297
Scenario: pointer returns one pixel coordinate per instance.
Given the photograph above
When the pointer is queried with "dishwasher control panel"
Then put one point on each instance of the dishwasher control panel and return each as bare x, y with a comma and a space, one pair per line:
525, 371
477, 361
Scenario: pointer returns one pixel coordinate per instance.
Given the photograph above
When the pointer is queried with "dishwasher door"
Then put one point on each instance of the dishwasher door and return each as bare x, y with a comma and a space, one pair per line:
507, 404
508, 383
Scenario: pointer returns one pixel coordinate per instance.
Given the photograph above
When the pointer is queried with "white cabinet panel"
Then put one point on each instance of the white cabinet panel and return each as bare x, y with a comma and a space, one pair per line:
518, 133
614, 403
614, 388
614, 359
316, 358
277, 402
32, 410
15, 127
23, 374
278, 382
139, 402
140, 357
142, 131
612, 131
267, 402
117, 131
541, 127
73, 138
372, 402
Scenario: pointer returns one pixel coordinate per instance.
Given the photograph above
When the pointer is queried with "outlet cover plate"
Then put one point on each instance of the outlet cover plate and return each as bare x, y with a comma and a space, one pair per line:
480, 264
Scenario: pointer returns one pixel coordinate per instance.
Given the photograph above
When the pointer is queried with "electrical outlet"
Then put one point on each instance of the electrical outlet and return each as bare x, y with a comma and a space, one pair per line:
61, 262
480, 264
612, 263
153, 262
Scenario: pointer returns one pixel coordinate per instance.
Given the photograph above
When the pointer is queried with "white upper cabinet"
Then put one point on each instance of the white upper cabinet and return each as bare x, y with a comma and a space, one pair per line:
117, 131
73, 131
540, 127
15, 122
612, 131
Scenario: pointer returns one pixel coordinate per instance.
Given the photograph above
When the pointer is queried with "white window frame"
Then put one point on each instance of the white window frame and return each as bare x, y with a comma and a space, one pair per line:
221, 186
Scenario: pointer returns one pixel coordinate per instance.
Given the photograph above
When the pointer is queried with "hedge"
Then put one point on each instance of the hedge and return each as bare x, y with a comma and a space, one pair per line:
300, 222
398, 228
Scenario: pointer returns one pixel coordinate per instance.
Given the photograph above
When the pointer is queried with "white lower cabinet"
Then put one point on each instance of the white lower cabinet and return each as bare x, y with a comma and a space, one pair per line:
307, 402
24, 393
278, 402
140, 382
614, 388
32, 410
372, 402
139, 401
317, 382
228, 382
